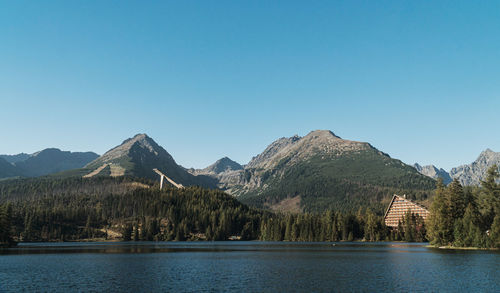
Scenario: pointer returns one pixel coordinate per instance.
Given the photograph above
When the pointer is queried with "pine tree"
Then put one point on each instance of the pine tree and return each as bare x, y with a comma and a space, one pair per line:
5, 225
489, 197
456, 200
440, 222
288, 228
136, 232
409, 226
127, 232
495, 232
370, 229
88, 232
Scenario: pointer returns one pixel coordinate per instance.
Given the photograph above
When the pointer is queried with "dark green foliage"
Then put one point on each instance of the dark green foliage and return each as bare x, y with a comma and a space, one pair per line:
495, 232
48, 209
343, 183
71, 209
489, 196
6, 225
466, 217
328, 226
413, 228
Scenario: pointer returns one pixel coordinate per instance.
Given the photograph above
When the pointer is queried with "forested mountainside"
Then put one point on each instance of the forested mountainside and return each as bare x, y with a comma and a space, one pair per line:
125, 208
321, 171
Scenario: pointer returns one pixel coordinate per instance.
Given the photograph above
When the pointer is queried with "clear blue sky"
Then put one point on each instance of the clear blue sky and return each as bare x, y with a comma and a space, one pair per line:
419, 80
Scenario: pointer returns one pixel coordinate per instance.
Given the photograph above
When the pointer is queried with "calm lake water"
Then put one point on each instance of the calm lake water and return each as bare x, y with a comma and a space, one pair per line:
245, 267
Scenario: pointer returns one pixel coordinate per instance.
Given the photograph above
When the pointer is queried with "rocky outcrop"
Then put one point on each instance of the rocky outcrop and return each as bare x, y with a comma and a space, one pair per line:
473, 173
433, 172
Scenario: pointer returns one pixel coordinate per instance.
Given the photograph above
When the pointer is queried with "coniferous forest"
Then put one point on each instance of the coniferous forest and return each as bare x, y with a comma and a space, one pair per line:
131, 209
72, 209
466, 217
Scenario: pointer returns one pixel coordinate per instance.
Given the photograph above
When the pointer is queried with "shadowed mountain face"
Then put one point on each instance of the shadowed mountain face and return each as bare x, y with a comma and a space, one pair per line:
15, 158
322, 171
138, 156
7, 169
53, 160
45, 162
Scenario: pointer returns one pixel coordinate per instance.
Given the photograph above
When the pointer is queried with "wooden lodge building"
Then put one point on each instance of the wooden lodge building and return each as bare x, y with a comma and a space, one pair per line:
397, 209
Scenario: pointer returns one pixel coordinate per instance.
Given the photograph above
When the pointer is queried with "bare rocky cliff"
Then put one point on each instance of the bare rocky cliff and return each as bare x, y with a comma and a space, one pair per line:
433, 172
473, 173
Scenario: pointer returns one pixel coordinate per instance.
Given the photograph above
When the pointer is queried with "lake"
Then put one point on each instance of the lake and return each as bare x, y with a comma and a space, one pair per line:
245, 267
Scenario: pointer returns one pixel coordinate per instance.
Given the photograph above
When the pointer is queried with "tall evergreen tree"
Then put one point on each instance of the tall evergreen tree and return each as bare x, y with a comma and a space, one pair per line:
489, 199
440, 222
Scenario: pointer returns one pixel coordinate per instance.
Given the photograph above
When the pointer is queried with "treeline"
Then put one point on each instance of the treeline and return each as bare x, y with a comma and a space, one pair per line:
466, 217
48, 209
6, 225
337, 226
141, 214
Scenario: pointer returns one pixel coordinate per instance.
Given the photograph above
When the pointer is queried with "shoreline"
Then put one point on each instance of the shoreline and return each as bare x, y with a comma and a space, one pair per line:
460, 248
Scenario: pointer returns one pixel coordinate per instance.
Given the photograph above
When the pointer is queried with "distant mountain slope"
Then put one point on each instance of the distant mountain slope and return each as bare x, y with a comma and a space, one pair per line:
433, 172
15, 158
272, 150
222, 165
225, 172
322, 171
42, 163
138, 156
53, 160
473, 173
7, 169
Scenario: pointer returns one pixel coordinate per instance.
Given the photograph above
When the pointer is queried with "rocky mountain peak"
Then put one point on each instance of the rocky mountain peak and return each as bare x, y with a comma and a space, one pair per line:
47, 151
296, 148
141, 140
433, 172
322, 134
473, 173
220, 166
274, 148
488, 154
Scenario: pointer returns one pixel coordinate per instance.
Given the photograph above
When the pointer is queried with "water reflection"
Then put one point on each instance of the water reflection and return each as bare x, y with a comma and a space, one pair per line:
245, 266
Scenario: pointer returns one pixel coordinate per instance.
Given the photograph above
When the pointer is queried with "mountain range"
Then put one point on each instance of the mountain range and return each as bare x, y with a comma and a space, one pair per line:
316, 172
45, 162
469, 174
312, 173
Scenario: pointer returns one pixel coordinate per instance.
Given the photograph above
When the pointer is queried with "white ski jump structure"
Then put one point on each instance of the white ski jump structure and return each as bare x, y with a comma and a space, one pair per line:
180, 186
